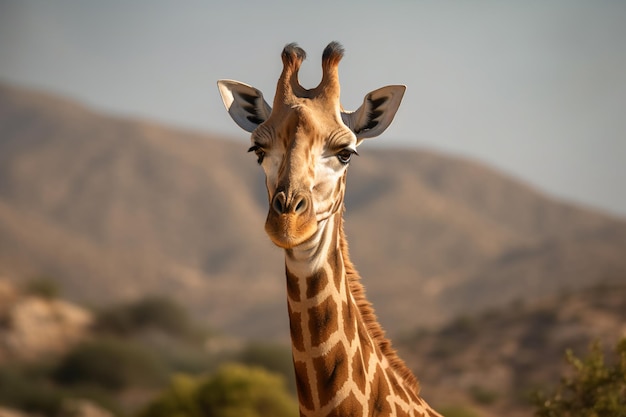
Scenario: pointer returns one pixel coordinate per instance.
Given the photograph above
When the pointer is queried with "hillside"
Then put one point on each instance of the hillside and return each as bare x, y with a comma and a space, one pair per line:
494, 359
115, 209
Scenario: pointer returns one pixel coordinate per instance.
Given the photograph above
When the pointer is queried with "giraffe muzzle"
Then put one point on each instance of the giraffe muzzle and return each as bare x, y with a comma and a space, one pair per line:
291, 219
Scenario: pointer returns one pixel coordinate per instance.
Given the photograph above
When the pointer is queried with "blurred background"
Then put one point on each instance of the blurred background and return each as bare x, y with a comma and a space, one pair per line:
488, 222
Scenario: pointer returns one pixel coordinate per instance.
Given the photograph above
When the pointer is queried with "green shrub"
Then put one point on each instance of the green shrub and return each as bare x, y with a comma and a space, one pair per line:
482, 395
239, 391
178, 400
109, 363
29, 387
159, 313
43, 287
274, 358
233, 391
20, 390
591, 389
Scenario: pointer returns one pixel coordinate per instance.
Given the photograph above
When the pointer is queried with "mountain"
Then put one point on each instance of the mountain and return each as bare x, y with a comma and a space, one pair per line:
115, 209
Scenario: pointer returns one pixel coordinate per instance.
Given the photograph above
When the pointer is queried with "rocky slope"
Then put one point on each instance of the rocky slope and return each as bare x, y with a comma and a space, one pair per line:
494, 359
32, 327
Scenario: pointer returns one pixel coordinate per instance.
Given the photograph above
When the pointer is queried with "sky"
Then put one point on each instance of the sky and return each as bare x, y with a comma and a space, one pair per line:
535, 89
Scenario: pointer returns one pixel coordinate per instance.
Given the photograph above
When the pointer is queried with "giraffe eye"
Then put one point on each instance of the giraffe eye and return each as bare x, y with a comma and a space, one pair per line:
260, 153
345, 155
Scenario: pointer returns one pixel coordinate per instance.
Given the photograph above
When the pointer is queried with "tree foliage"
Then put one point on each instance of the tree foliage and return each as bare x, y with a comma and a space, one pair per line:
109, 363
23, 389
159, 313
44, 287
233, 391
592, 389
274, 358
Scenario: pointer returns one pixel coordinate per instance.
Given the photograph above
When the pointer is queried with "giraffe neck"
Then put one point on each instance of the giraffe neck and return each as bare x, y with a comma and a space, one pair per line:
343, 363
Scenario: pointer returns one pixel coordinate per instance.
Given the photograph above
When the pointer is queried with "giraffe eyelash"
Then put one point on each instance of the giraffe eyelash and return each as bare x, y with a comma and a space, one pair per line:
260, 153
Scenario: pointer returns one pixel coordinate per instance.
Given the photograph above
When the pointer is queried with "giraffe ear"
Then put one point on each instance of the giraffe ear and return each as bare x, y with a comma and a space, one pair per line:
244, 103
376, 113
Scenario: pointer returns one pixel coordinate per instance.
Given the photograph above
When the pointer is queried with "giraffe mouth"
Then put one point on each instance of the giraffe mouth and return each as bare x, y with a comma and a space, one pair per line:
290, 230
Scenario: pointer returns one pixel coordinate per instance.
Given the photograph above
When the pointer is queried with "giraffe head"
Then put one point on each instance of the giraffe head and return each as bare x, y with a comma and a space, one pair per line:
305, 141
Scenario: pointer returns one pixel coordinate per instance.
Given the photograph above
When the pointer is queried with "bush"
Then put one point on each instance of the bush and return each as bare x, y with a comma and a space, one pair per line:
482, 395
179, 399
233, 391
159, 313
594, 389
110, 364
43, 287
21, 390
29, 387
273, 358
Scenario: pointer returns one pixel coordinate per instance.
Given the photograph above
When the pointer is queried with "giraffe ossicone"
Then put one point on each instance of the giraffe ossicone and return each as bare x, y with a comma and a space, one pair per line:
344, 364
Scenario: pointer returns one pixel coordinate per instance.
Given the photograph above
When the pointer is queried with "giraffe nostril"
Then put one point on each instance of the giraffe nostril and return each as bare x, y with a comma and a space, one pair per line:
300, 205
279, 203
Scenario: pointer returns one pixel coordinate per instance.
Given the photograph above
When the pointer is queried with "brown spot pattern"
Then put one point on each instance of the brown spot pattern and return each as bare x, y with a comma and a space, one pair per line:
397, 388
364, 342
350, 407
303, 385
349, 325
323, 321
358, 371
401, 413
295, 328
293, 287
378, 404
332, 372
316, 283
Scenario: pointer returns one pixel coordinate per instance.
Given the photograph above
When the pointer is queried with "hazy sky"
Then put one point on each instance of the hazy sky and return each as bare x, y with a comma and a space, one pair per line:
534, 88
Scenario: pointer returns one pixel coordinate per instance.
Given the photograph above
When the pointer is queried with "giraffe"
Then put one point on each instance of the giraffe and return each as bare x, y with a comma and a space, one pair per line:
344, 365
